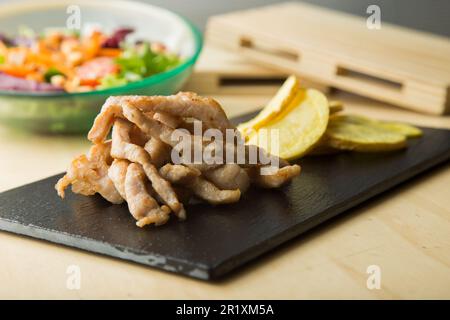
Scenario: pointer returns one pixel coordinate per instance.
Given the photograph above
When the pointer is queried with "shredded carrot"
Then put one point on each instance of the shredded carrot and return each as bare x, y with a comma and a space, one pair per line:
109, 52
42, 59
16, 70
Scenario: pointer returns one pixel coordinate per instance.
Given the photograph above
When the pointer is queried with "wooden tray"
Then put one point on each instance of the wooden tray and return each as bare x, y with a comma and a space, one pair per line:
396, 65
220, 71
216, 240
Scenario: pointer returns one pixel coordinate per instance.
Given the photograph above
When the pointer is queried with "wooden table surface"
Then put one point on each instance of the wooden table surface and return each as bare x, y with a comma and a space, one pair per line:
406, 232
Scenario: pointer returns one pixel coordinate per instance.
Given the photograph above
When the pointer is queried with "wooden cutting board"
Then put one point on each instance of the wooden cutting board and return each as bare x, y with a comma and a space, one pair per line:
215, 240
220, 71
401, 66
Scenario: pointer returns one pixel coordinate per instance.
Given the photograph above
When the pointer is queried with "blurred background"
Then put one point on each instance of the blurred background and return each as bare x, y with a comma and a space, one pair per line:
431, 16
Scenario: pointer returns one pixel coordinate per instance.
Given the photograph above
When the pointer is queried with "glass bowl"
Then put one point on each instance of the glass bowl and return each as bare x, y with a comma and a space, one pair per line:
74, 112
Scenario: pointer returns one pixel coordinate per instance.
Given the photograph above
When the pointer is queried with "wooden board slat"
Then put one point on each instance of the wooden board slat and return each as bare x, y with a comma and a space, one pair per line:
220, 71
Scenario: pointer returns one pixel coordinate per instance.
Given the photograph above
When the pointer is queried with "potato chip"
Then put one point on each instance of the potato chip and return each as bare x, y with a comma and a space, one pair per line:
397, 127
282, 99
298, 129
350, 133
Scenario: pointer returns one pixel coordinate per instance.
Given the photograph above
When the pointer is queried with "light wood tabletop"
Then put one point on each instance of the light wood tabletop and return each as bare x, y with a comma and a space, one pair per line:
405, 232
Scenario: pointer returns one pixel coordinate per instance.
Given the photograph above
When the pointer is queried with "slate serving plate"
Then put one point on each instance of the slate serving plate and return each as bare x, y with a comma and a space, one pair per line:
215, 240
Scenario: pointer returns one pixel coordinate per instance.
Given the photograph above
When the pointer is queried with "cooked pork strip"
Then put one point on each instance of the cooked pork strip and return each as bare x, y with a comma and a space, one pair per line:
179, 174
117, 172
164, 190
89, 175
131, 107
202, 188
159, 151
184, 105
160, 131
142, 206
104, 120
167, 119
148, 125
137, 166
276, 179
138, 137
123, 149
100, 154
81, 175
207, 191
229, 176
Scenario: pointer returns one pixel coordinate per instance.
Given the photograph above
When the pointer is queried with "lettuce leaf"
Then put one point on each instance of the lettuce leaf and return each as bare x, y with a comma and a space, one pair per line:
137, 62
50, 73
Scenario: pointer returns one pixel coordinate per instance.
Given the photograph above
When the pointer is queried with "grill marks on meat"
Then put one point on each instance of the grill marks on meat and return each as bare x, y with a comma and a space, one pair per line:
135, 165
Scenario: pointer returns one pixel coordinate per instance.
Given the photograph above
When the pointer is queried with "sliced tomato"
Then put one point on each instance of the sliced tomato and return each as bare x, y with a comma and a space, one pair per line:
89, 82
96, 69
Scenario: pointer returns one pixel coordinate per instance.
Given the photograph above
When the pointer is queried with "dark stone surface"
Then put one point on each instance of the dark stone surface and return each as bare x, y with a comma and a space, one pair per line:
215, 240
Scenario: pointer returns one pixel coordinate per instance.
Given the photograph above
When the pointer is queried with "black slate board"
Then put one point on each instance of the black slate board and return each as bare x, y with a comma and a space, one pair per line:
215, 240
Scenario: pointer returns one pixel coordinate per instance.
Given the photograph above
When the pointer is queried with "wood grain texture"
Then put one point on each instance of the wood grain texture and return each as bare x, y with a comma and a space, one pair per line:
220, 71
396, 65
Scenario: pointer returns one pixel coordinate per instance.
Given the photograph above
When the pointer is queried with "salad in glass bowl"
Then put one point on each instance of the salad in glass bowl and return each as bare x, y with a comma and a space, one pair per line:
55, 80
68, 61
